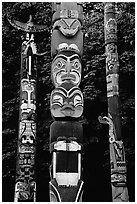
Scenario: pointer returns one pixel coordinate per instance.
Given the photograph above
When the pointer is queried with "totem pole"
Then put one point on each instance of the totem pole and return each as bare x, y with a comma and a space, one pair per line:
25, 187
117, 153
66, 103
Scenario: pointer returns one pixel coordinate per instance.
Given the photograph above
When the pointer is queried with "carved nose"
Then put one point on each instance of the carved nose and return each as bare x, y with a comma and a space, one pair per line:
66, 102
68, 67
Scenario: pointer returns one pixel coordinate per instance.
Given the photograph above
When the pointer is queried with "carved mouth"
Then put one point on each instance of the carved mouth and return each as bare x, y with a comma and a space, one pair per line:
67, 110
73, 78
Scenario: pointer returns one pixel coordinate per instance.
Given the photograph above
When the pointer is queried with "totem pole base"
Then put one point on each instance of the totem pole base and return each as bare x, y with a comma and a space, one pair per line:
65, 193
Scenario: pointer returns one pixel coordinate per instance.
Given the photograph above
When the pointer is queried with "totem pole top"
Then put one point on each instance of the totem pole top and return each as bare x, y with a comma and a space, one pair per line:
28, 27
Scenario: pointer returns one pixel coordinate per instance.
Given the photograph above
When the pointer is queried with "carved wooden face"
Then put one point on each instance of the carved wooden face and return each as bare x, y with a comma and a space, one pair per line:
27, 132
68, 27
28, 99
112, 59
66, 101
66, 68
29, 87
23, 148
27, 139
26, 170
58, 38
118, 164
28, 188
67, 10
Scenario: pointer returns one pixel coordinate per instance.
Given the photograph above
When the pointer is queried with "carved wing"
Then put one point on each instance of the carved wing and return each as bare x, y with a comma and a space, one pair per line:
28, 27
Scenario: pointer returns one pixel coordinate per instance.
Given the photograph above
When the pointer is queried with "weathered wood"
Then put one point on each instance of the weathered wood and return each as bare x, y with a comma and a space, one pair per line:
25, 187
66, 103
117, 153
25, 184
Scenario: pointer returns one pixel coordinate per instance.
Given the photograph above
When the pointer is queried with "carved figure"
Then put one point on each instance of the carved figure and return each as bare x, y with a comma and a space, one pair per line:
67, 131
65, 184
28, 27
66, 101
66, 67
28, 99
74, 43
65, 10
112, 63
117, 163
25, 191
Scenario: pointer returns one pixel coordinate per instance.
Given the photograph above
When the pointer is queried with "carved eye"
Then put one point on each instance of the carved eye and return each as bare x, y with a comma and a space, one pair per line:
76, 65
59, 64
31, 137
57, 99
77, 100
24, 137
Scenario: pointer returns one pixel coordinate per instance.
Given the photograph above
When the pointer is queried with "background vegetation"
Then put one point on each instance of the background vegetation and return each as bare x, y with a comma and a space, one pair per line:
93, 85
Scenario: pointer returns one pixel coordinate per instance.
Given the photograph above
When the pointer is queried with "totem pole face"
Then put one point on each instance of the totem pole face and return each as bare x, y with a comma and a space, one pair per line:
66, 101
65, 10
26, 191
112, 63
67, 18
66, 67
110, 24
25, 170
74, 43
118, 164
68, 27
67, 22
67, 130
27, 137
25, 165
109, 7
27, 132
23, 148
26, 155
28, 100
117, 156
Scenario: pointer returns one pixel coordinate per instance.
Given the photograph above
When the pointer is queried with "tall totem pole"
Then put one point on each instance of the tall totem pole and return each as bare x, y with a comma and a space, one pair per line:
117, 153
25, 187
66, 103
